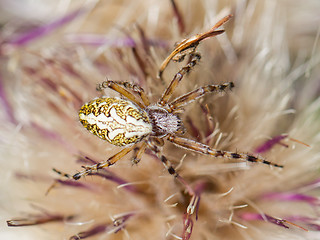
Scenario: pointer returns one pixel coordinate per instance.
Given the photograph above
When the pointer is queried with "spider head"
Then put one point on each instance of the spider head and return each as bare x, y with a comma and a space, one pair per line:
163, 122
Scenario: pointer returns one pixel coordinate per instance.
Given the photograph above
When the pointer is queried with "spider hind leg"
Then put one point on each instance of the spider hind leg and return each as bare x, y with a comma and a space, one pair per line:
107, 163
204, 149
156, 146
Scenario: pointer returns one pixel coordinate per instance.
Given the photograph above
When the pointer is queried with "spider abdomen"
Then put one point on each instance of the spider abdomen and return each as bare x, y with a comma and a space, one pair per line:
118, 121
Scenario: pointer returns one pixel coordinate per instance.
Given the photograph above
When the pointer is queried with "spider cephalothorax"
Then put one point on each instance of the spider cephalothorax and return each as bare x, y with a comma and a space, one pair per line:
163, 122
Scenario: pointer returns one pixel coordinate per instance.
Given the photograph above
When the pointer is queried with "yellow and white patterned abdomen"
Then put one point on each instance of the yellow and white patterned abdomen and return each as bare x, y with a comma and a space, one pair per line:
116, 120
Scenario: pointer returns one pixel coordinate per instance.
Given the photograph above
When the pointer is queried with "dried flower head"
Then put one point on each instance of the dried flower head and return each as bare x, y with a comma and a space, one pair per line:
49, 69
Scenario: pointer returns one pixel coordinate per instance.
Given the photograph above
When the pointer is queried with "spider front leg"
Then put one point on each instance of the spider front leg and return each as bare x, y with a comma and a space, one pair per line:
116, 86
198, 93
195, 57
192, 43
204, 149
133, 87
107, 163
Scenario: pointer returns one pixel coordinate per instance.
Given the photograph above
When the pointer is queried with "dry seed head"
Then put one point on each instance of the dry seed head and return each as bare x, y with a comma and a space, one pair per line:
43, 89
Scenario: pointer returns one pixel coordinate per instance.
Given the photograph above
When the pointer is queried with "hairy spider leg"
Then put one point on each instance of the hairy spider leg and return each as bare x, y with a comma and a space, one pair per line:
196, 94
121, 90
156, 148
195, 57
131, 86
193, 42
107, 163
212, 31
187, 46
63, 174
204, 149
55, 183
137, 153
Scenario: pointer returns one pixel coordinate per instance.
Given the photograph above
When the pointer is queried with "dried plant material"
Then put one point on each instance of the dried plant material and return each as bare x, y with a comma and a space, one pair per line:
269, 51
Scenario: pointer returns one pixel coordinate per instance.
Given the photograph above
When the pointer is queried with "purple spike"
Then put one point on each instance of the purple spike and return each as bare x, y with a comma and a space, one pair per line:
107, 174
52, 135
5, 102
270, 143
295, 197
255, 216
43, 30
72, 183
116, 226
187, 227
97, 40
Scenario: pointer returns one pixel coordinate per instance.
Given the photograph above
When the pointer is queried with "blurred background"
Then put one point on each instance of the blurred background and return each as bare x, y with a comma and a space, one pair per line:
53, 53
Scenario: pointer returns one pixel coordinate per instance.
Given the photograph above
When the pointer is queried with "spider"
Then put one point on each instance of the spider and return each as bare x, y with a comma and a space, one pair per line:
135, 124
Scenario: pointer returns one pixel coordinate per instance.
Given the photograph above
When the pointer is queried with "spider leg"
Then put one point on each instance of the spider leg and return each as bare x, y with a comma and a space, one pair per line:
133, 87
198, 93
193, 42
195, 57
63, 174
138, 151
204, 149
107, 163
167, 164
180, 56
121, 89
